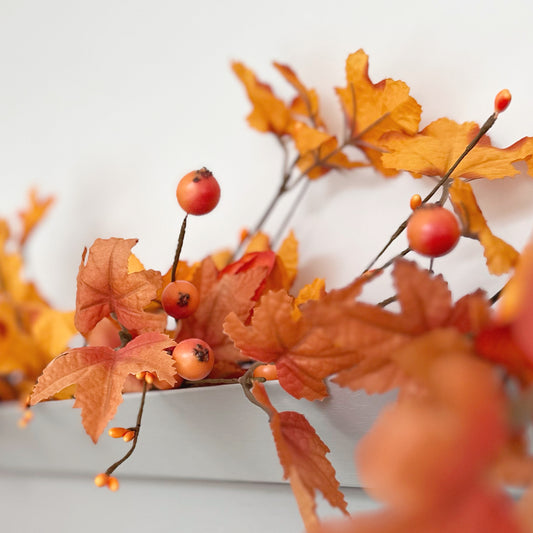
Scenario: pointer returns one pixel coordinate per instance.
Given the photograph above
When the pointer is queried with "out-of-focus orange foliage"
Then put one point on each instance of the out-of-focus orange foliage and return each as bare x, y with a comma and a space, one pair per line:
31, 332
433, 151
501, 257
99, 373
33, 214
302, 455
105, 286
374, 109
429, 455
508, 338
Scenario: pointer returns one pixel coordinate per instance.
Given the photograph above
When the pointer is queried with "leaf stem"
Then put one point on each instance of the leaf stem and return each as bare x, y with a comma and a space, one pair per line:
137, 430
246, 381
178, 248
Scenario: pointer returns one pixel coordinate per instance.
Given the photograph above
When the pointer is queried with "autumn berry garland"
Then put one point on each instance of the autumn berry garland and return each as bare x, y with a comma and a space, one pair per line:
441, 456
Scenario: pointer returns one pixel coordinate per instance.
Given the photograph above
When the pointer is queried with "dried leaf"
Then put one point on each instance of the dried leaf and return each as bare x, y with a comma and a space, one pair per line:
99, 374
105, 286
302, 455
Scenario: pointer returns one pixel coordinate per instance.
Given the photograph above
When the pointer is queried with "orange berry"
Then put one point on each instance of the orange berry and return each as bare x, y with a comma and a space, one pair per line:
129, 435
117, 433
268, 372
112, 483
101, 480
140, 375
502, 101
149, 378
415, 202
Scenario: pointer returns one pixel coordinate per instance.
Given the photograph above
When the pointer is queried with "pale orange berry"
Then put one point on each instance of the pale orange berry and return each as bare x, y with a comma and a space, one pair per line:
140, 375
112, 483
502, 101
117, 433
415, 202
100, 480
149, 378
129, 435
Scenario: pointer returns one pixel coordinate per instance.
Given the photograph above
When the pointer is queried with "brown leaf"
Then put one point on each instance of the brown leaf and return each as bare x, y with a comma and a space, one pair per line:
105, 286
99, 374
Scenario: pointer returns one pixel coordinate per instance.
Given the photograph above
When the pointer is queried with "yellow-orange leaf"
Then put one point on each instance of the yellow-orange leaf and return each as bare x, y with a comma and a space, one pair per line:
319, 151
435, 149
306, 103
105, 286
269, 113
99, 374
302, 455
373, 109
501, 257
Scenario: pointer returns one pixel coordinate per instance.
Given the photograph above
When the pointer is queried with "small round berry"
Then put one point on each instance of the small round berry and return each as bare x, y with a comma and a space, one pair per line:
180, 299
268, 372
117, 432
193, 359
198, 192
112, 483
129, 435
432, 230
415, 202
502, 101
100, 480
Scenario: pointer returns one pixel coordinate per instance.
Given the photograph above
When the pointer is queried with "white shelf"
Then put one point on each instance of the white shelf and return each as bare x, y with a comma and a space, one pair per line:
210, 433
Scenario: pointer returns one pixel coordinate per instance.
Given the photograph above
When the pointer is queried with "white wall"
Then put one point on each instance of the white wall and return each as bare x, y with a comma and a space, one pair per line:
106, 103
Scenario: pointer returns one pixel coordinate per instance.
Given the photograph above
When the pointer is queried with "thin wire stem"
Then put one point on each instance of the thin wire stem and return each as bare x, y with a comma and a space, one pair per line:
137, 430
178, 248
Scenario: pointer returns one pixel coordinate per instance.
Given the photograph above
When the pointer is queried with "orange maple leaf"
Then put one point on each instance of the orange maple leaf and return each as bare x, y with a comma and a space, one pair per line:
302, 455
434, 150
105, 287
304, 352
99, 374
373, 109
269, 113
501, 257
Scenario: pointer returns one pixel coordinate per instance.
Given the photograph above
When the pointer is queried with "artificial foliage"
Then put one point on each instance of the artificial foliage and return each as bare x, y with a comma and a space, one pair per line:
444, 454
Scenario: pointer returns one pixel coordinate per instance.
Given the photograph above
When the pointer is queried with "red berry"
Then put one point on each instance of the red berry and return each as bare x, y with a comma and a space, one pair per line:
180, 299
433, 231
193, 359
502, 101
198, 192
